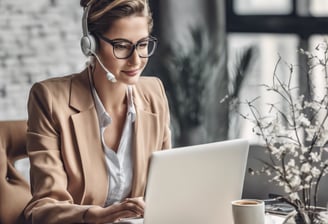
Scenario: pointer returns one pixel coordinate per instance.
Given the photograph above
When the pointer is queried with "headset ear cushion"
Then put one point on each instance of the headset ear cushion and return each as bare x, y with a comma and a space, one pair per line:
88, 45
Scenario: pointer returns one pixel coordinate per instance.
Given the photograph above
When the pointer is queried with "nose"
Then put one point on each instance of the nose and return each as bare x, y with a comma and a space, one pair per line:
134, 59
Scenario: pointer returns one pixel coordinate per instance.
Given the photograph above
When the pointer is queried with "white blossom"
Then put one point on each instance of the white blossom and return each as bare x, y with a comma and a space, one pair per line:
303, 120
306, 168
316, 157
315, 172
291, 162
308, 178
294, 196
295, 181
295, 131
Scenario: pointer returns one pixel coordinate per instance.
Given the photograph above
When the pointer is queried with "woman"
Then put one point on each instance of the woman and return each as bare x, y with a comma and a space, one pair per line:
91, 134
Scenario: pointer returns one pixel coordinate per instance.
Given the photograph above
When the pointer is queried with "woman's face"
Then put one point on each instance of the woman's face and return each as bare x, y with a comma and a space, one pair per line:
133, 29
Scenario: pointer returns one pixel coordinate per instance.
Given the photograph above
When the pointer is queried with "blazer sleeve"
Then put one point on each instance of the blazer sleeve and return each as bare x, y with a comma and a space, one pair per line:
51, 202
167, 144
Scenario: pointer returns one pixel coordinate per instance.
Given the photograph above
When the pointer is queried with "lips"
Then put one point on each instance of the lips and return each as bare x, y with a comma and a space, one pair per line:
132, 72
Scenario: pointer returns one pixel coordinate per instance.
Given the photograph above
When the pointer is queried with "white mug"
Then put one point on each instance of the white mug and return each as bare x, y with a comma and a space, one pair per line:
248, 211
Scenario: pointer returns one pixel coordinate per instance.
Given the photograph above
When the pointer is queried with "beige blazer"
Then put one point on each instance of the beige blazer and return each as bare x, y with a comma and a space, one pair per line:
68, 169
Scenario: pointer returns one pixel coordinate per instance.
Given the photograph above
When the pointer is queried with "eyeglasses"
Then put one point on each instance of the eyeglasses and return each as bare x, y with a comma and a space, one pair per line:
123, 48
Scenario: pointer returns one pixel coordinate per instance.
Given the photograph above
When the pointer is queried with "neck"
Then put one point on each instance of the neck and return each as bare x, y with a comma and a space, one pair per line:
112, 95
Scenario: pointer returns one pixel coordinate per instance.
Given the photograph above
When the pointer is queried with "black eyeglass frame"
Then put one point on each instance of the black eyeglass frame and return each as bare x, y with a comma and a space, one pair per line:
134, 46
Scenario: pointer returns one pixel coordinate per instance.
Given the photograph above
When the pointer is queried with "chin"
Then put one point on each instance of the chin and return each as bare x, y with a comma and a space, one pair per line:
131, 80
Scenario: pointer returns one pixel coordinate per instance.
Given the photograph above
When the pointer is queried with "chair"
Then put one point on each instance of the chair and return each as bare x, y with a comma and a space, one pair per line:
14, 189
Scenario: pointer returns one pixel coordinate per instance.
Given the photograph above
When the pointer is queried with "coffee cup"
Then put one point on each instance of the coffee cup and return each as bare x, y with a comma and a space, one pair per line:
248, 211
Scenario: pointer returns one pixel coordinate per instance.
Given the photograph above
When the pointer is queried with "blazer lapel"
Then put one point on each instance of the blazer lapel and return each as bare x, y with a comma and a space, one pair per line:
143, 128
86, 129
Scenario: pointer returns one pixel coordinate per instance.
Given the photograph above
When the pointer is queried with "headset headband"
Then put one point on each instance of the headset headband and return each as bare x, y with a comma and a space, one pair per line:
85, 29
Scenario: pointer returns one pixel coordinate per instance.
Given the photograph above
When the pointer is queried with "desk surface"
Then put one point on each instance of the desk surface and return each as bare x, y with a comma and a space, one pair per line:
273, 219
269, 219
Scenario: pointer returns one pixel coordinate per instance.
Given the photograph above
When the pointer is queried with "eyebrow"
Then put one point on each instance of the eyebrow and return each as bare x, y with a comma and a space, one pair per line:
117, 40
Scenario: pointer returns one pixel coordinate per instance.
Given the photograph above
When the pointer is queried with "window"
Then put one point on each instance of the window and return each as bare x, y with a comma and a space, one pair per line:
319, 8
272, 27
256, 7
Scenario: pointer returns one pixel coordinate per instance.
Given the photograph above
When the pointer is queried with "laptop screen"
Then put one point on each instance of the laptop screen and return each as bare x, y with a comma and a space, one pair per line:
195, 184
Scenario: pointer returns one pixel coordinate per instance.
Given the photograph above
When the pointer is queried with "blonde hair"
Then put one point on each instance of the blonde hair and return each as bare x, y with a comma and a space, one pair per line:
104, 12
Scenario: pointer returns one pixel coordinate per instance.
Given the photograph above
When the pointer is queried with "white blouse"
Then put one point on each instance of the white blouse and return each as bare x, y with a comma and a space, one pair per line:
120, 164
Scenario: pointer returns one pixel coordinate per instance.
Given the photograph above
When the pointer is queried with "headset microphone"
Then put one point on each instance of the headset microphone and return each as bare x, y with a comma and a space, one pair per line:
109, 75
89, 44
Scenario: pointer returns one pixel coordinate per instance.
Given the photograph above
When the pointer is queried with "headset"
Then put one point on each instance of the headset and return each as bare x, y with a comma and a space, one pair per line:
89, 44
88, 41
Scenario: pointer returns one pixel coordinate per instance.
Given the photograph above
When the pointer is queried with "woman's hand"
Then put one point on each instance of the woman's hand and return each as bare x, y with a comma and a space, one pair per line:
129, 208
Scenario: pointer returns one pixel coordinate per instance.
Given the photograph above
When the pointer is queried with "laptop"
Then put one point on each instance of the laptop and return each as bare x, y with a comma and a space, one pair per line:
195, 184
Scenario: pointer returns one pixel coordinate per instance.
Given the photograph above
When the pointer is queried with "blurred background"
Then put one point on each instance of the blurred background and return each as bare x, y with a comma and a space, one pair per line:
211, 53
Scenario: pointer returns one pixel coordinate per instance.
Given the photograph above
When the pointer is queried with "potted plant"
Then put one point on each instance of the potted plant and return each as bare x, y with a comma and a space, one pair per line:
294, 132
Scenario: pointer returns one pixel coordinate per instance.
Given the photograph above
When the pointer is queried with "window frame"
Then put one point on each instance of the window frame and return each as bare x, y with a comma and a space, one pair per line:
292, 23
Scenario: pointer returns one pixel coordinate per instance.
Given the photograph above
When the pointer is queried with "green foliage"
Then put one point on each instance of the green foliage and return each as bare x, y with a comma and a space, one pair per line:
187, 73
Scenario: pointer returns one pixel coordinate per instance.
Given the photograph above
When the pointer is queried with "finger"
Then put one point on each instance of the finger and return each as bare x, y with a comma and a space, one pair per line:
117, 207
132, 206
139, 201
124, 214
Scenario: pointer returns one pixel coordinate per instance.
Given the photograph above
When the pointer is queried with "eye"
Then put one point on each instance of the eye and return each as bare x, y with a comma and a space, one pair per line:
143, 44
122, 46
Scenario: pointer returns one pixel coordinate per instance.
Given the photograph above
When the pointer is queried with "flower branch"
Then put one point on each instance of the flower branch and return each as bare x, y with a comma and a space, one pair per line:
295, 133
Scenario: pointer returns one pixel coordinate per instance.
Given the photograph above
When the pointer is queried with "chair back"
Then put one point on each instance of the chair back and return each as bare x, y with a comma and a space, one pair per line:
14, 189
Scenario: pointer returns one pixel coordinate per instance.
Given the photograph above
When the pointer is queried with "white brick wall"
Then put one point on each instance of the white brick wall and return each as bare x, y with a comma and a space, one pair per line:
38, 39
